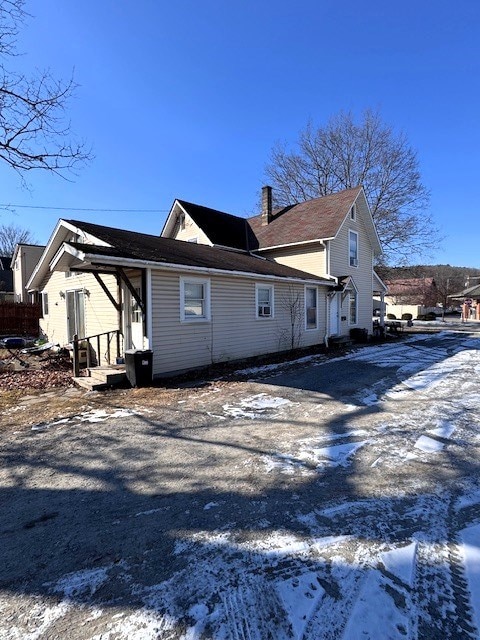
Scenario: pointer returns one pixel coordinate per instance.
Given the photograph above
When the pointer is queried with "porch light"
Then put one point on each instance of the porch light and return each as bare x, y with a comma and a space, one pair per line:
62, 294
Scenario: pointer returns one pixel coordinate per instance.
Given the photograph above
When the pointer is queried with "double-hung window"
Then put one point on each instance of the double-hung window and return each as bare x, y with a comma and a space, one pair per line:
353, 248
264, 301
353, 306
194, 299
311, 304
44, 303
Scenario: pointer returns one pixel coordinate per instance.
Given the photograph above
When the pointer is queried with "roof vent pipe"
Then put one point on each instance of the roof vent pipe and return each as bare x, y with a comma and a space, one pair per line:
266, 205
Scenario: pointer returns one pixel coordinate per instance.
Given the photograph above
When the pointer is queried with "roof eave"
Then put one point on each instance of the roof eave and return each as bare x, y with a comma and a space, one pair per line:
114, 261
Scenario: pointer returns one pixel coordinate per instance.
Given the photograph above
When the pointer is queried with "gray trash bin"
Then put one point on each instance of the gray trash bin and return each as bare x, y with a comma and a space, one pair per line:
139, 367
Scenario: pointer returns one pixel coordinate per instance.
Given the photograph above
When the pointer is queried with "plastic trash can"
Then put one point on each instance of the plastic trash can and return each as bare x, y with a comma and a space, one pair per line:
139, 367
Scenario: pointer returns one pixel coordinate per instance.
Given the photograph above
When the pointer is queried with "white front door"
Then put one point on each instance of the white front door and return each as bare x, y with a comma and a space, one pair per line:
334, 314
133, 320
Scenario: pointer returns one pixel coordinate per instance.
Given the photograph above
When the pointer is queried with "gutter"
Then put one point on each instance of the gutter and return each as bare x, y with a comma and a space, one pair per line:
320, 241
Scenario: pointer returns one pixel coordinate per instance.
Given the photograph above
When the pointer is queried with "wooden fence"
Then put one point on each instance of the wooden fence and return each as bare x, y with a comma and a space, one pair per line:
19, 319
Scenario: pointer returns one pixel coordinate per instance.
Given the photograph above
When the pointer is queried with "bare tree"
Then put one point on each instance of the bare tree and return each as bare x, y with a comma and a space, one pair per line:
345, 154
292, 303
10, 236
34, 130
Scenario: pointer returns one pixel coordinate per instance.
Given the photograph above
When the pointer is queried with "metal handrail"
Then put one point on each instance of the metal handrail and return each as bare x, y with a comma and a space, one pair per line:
76, 348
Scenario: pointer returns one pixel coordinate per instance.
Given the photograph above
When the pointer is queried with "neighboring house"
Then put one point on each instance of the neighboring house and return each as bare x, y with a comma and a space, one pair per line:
214, 287
6, 279
416, 296
469, 300
24, 261
416, 291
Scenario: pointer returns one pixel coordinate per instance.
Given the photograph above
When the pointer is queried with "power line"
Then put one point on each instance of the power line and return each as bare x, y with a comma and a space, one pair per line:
28, 206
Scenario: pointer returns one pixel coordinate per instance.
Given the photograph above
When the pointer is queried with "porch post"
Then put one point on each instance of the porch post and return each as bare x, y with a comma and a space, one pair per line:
76, 364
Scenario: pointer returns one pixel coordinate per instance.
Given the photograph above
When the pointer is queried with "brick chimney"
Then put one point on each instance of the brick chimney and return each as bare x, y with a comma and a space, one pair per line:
266, 205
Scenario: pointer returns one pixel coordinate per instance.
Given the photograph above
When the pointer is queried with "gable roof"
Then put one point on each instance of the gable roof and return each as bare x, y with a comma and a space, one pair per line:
317, 219
118, 246
313, 220
409, 285
222, 228
5, 262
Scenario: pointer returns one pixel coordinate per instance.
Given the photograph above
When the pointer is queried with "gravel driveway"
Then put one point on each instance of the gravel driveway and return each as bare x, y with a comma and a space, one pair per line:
336, 499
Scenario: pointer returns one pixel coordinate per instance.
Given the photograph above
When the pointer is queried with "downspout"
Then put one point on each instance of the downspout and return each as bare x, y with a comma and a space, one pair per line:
120, 313
326, 245
327, 323
148, 310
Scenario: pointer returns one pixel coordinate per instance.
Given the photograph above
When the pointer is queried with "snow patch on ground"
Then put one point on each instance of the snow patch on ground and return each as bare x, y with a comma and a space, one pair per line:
91, 416
81, 583
428, 445
375, 609
299, 596
444, 430
470, 550
401, 562
255, 406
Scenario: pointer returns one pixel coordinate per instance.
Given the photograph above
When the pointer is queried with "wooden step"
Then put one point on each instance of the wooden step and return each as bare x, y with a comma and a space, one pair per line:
99, 378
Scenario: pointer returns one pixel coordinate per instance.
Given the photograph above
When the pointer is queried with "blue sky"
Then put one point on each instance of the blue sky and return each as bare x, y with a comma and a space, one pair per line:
186, 99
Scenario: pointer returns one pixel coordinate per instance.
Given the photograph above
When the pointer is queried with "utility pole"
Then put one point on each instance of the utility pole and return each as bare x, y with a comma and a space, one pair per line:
467, 283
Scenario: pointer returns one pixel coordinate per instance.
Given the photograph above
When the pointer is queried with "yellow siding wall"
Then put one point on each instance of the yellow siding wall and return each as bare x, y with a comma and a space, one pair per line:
100, 314
233, 332
190, 231
309, 258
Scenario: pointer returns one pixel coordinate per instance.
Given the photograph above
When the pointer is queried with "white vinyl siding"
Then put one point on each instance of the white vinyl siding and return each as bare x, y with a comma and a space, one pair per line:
353, 248
311, 308
352, 307
234, 331
264, 295
362, 275
194, 299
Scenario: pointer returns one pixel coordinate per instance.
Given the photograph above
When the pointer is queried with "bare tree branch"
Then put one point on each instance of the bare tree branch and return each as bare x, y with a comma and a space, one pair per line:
345, 154
34, 128
10, 236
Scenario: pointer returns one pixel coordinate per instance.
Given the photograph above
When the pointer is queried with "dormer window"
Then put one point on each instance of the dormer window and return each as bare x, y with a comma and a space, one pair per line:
353, 212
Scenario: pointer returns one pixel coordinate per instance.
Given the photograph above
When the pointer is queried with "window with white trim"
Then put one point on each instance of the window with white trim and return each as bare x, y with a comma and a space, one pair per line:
353, 248
311, 306
353, 212
44, 303
353, 300
264, 300
194, 299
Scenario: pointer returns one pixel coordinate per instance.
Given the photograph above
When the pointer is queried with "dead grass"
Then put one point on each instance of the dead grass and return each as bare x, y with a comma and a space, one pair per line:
23, 409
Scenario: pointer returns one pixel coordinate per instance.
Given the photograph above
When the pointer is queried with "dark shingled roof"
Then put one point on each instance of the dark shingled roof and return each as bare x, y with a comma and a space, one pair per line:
222, 228
6, 274
315, 219
141, 246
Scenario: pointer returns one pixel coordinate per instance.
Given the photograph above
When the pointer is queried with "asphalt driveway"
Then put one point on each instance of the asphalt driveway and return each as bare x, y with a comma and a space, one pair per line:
334, 499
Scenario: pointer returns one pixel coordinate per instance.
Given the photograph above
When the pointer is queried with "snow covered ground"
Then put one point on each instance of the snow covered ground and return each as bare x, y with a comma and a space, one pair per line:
354, 517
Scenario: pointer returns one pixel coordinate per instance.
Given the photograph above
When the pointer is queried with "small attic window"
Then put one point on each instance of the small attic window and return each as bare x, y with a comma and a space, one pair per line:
181, 221
353, 212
